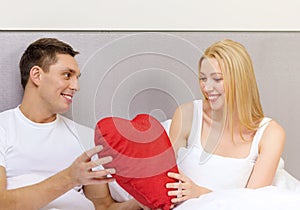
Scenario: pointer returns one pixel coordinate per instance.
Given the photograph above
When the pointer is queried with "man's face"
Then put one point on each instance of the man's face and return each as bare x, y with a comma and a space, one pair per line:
59, 84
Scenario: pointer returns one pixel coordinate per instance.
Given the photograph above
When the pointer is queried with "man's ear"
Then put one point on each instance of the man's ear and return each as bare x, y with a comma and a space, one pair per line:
35, 75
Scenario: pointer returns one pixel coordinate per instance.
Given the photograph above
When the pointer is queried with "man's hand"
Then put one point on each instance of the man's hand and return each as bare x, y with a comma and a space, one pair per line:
81, 171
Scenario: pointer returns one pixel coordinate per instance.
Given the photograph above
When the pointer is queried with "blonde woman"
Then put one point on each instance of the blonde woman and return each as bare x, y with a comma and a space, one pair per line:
224, 141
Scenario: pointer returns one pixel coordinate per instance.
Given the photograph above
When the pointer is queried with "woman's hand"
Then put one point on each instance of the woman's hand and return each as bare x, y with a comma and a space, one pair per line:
184, 189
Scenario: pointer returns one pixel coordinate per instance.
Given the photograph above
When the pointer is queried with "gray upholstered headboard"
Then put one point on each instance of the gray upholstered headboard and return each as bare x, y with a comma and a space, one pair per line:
126, 73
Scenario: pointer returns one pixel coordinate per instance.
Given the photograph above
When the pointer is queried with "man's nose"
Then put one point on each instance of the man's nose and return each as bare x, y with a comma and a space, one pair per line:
75, 84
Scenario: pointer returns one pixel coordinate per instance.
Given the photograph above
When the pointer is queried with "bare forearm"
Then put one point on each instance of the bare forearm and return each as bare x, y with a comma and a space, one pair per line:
101, 198
38, 195
128, 205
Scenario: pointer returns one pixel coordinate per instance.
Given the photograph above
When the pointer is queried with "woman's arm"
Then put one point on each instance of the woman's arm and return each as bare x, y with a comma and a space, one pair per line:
270, 150
181, 126
184, 188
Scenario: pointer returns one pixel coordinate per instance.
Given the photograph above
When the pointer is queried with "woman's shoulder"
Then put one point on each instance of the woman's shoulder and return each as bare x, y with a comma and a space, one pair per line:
185, 111
189, 106
273, 132
275, 128
186, 106
272, 125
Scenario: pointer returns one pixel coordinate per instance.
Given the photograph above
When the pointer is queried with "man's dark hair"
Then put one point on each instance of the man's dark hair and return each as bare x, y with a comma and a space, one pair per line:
42, 53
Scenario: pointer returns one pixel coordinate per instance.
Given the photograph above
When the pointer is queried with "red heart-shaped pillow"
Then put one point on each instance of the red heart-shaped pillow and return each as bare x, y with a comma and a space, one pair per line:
142, 155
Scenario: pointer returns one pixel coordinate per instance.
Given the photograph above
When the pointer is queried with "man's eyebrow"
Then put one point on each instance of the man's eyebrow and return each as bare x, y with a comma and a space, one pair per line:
74, 72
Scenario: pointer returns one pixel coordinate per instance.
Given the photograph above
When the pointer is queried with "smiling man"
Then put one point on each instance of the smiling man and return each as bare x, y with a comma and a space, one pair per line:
42, 163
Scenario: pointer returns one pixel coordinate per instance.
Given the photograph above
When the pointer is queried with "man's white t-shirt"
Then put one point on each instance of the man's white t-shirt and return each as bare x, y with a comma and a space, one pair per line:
31, 152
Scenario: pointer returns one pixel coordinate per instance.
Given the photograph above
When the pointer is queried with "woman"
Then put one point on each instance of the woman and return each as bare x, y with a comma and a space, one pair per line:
224, 141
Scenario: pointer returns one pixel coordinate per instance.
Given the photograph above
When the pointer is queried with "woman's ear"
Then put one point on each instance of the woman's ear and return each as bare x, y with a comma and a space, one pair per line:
35, 75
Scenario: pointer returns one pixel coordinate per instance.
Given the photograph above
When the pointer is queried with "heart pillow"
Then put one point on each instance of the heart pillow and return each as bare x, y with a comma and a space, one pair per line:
142, 155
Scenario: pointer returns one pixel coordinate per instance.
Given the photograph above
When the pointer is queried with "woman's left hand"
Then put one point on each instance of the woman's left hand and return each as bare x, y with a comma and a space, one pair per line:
184, 189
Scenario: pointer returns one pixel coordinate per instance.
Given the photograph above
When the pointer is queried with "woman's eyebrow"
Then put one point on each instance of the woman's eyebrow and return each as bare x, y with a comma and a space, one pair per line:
216, 73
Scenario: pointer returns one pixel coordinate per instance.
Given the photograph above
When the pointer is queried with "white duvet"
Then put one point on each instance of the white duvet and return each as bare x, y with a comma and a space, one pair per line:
284, 196
273, 198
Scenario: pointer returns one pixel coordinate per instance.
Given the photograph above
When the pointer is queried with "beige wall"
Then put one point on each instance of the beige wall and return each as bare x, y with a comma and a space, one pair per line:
124, 74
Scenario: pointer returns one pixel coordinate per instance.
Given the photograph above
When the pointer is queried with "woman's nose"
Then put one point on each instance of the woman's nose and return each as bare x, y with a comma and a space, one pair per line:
208, 85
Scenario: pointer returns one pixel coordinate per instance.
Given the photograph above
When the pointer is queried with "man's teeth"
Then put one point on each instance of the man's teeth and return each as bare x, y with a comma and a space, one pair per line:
67, 96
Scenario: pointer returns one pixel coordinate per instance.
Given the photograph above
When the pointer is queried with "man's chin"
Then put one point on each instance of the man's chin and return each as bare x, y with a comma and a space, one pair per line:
64, 110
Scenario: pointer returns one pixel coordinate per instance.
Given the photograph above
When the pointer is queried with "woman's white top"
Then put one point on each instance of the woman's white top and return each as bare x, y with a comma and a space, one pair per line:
212, 171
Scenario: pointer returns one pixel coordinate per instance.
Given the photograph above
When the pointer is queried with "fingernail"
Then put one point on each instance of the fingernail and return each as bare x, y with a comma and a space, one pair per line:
99, 147
111, 170
110, 158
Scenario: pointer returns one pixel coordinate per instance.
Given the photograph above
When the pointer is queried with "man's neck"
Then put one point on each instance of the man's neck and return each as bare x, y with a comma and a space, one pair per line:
33, 113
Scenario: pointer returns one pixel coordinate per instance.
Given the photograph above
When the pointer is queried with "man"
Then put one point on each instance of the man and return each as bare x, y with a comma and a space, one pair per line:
42, 163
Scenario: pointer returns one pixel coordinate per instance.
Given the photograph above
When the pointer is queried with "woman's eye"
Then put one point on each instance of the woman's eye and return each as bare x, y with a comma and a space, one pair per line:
203, 79
218, 79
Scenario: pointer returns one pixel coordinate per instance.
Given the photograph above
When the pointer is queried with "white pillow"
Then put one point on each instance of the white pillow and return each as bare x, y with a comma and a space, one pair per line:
167, 124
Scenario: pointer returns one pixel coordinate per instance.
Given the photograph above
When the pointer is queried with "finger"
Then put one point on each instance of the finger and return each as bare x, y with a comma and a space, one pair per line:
100, 161
94, 151
174, 185
89, 153
174, 175
175, 193
100, 174
101, 180
179, 199
95, 163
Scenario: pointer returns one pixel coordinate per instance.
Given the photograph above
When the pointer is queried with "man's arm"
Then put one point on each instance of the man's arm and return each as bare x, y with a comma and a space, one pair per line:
101, 198
38, 195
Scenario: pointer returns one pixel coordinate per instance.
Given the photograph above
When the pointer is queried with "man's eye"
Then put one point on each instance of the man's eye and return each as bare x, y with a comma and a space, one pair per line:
68, 75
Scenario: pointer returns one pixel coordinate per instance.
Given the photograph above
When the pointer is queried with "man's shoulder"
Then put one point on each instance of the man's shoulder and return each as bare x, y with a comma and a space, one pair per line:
7, 112
6, 116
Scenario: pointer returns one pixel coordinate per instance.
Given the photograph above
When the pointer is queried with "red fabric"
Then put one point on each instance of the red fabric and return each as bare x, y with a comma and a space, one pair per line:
142, 155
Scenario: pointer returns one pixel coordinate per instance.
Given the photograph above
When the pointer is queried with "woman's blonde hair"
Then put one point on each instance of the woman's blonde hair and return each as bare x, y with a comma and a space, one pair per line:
240, 85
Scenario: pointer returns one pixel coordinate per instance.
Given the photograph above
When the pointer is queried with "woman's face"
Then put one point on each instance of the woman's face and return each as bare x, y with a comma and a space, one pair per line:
211, 83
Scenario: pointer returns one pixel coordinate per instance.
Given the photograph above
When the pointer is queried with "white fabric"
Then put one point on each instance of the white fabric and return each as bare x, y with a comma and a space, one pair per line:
31, 152
213, 171
118, 193
167, 124
245, 199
